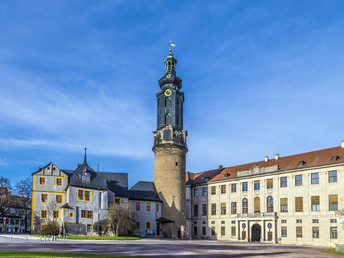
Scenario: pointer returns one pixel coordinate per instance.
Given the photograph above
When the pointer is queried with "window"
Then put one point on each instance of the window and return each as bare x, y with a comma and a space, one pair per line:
244, 186
223, 208
298, 204
332, 176
89, 228
85, 176
334, 158
86, 214
195, 210
244, 205
204, 191
233, 231
42, 180
55, 214
298, 232
270, 204
283, 221
284, 204
269, 184
298, 180
233, 207
333, 202
299, 221
223, 189
148, 225
213, 231
256, 205
44, 214
44, 198
195, 192
148, 206
71, 215
315, 232
157, 207
223, 231
204, 231
233, 188
284, 182
213, 209
58, 198
84, 195
333, 233
204, 209
117, 201
315, 221
213, 190
315, 178
137, 206
256, 185
333, 220
59, 181
283, 231
138, 224
315, 203
195, 231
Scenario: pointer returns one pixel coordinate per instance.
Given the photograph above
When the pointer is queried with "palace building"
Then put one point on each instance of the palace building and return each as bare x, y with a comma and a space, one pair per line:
288, 200
296, 199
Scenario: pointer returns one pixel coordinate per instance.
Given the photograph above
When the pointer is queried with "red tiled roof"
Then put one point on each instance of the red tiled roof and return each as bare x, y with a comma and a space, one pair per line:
201, 177
310, 159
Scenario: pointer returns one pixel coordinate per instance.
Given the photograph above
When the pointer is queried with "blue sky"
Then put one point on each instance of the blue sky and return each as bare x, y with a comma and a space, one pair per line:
260, 78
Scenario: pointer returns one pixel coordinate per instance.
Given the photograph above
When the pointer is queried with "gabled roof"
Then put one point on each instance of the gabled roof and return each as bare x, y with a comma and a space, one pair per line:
50, 163
201, 177
309, 159
143, 190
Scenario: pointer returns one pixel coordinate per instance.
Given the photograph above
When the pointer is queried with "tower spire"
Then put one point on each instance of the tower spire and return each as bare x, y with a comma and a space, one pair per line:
85, 158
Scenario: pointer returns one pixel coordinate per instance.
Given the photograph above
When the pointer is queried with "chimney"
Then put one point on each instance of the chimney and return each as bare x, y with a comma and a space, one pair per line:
266, 158
276, 156
342, 145
220, 167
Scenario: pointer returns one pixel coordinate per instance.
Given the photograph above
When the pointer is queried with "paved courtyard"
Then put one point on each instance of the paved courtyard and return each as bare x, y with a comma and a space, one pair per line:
160, 248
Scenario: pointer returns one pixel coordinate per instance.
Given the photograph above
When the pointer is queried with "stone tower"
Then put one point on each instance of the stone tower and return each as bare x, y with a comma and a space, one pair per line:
170, 150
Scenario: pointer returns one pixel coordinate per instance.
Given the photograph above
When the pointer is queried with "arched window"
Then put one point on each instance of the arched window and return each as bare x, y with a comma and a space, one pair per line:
256, 205
168, 102
168, 119
244, 205
270, 204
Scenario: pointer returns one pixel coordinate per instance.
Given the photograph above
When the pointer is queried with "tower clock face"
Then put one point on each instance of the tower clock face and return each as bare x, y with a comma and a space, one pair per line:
168, 92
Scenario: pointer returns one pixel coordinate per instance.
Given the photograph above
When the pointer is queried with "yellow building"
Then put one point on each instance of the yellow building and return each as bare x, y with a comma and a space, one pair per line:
289, 200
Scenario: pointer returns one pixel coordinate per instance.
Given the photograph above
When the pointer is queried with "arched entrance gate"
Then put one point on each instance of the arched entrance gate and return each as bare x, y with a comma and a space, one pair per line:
256, 233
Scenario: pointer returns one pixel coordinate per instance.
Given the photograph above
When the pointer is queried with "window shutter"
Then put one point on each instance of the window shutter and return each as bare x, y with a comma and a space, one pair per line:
298, 204
256, 205
333, 199
315, 200
284, 201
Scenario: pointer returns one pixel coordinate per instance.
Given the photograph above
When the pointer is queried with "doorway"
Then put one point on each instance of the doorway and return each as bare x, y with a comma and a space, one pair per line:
256, 233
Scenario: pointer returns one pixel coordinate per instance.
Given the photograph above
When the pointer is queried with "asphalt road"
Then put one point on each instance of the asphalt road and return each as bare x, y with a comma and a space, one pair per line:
160, 248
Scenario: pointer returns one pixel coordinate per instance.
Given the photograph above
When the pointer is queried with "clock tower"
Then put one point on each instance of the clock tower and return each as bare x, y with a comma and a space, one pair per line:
170, 150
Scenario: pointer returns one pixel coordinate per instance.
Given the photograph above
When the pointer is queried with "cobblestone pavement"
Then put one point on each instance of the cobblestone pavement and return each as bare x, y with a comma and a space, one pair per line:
161, 248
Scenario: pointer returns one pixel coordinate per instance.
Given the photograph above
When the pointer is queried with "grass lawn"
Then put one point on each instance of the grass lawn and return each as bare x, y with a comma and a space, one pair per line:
47, 254
331, 251
97, 237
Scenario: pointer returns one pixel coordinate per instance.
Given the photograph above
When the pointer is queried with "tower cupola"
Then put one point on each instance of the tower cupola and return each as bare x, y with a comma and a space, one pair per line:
170, 65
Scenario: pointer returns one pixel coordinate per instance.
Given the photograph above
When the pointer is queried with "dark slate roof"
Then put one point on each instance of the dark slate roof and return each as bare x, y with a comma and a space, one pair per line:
66, 206
164, 220
145, 191
115, 182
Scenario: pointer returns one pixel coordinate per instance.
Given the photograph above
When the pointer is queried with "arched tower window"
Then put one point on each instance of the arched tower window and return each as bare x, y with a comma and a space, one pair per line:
244, 205
168, 119
256, 205
168, 102
270, 204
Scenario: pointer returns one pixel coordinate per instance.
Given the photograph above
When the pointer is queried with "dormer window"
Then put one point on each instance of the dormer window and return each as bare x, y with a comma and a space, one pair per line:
301, 163
85, 176
334, 158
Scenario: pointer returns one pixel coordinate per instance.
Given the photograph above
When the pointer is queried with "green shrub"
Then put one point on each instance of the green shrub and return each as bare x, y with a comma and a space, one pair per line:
51, 228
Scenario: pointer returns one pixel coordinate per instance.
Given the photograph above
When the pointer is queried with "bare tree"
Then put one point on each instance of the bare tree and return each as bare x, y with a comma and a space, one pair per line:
121, 218
6, 199
24, 190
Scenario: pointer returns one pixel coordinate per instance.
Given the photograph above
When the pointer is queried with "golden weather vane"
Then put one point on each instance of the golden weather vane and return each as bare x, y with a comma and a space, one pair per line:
171, 45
